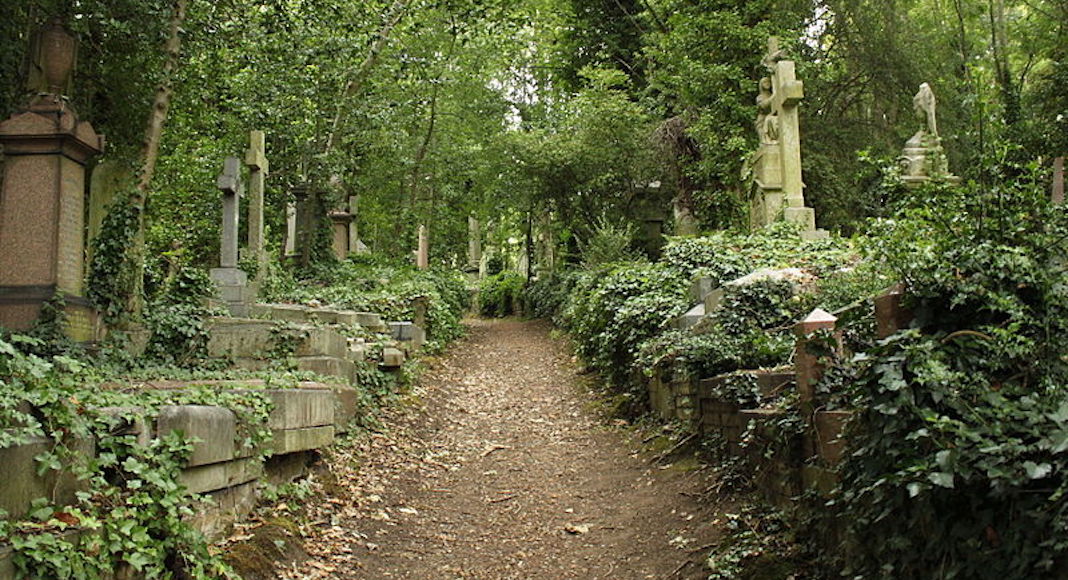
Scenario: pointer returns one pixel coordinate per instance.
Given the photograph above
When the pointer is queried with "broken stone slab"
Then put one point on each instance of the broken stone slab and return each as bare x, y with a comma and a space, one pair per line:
347, 317
713, 299
701, 287
213, 430
216, 476
324, 315
691, 318
392, 357
357, 351
300, 408
293, 440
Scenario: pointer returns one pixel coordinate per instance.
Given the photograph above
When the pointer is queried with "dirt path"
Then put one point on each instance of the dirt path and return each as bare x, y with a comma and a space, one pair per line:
502, 471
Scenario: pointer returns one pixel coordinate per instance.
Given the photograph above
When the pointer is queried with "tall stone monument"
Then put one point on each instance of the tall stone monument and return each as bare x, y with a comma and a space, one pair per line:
923, 158
776, 165
231, 281
42, 199
256, 160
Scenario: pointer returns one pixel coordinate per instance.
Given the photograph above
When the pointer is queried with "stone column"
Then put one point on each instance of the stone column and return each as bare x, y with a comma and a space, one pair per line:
256, 160
42, 204
291, 229
890, 316
422, 255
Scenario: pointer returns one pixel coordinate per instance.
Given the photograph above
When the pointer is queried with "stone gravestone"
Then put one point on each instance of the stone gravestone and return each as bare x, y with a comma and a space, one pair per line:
42, 198
341, 221
923, 158
291, 229
356, 246
422, 255
776, 165
256, 160
108, 179
231, 281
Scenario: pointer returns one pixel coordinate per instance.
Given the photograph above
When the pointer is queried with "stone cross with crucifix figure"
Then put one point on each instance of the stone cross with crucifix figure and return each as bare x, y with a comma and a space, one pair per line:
776, 165
231, 281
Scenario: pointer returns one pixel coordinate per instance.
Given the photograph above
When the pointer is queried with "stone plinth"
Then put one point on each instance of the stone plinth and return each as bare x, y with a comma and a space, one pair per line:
42, 205
340, 222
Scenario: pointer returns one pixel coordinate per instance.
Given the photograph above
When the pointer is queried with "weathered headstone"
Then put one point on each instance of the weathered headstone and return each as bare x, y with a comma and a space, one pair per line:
341, 221
291, 229
923, 158
231, 281
1057, 190
776, 165
474, 243
256, 160
109, 178
42, 199
422, 255
356, 246
309, 214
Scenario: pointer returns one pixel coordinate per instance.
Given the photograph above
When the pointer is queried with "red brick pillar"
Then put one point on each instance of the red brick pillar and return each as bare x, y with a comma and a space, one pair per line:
808, 367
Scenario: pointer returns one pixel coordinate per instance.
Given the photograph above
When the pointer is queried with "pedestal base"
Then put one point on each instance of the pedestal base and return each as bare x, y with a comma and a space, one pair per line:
233, 290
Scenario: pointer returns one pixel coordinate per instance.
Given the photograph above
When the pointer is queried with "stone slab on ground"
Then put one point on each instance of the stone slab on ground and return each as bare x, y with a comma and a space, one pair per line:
223, 508
216, 476
691, 318
213, 428
392, 357
20, 484
328, 366
299, 408
371, 321
293, 440
280, 312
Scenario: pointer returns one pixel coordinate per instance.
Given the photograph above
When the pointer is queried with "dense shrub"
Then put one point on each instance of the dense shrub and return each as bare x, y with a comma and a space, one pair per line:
385, 288
499, 295
958, 466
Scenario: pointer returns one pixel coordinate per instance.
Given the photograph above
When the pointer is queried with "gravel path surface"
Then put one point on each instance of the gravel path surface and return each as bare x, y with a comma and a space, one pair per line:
500, 468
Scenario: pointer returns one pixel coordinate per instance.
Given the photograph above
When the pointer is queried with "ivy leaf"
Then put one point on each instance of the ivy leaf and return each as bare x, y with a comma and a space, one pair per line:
941, 479
1037, 470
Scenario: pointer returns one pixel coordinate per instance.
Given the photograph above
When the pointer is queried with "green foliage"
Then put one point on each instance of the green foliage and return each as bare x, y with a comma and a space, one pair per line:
387, 289
111, 276
499, 295
957, 457
609, 242
175, 319
617, 307
133, 513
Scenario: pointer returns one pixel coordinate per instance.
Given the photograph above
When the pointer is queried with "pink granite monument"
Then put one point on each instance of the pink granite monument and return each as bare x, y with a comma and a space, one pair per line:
42, 198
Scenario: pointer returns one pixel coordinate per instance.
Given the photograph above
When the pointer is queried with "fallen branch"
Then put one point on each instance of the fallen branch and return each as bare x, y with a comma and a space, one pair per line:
675, 447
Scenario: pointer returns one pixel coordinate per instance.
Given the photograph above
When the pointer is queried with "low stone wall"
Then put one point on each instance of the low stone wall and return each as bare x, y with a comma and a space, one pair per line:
303, 420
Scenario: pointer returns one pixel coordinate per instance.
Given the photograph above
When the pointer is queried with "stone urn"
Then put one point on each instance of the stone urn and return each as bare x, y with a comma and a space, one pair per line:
56, 56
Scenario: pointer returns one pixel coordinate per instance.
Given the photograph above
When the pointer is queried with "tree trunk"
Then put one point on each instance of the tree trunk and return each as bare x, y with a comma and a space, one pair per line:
150, 153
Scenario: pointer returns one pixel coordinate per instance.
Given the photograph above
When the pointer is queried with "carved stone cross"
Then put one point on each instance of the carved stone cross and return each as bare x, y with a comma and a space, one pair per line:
256, 160
786, 94
229, 183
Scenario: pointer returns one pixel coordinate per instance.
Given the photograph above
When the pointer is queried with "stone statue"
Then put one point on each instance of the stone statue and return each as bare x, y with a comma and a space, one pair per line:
924, 105
767, 127
923, 156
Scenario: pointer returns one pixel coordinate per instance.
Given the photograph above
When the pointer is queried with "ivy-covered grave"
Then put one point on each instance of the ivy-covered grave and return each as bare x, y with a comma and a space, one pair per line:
128, 455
